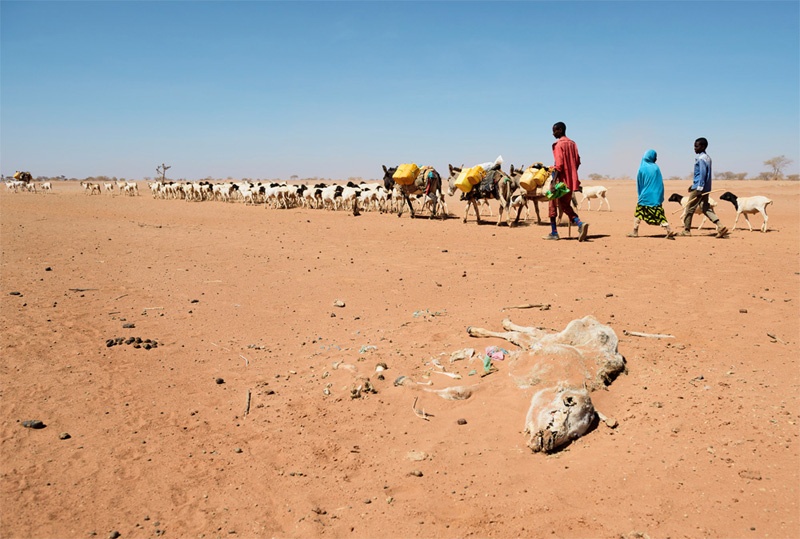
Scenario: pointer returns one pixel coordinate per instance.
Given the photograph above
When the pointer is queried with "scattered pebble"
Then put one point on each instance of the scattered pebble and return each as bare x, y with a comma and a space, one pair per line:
219, 380
237, 450
64, 436
129, 325
462, 421
743, 311
114, 535
48, 268
14, 293
338, 303
33, 424
415, 473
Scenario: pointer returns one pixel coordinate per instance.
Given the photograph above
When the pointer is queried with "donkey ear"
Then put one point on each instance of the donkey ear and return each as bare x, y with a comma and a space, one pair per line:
384, 169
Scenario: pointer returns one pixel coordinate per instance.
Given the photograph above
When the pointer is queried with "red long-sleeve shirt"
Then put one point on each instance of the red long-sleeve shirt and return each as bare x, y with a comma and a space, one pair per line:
565, 153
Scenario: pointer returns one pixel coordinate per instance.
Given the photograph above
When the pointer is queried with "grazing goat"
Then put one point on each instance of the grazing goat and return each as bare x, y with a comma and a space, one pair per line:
747, 205
683, 200
594, 191
90, 188
47, 186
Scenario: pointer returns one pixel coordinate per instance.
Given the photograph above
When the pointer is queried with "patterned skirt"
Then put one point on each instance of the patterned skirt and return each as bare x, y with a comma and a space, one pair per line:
652, 215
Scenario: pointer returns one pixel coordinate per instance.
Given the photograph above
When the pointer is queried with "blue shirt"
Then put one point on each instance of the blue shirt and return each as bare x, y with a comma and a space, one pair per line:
702, 173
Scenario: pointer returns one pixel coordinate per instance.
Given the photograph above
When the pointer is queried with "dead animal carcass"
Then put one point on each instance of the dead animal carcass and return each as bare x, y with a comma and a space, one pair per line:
567, 366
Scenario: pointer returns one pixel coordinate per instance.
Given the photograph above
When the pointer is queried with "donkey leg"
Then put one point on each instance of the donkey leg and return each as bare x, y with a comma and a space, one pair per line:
410, 205
531, 331
513, 337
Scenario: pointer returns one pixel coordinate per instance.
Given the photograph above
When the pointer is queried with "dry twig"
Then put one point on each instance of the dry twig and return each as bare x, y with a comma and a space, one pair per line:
247, 407
540, 306
648, 335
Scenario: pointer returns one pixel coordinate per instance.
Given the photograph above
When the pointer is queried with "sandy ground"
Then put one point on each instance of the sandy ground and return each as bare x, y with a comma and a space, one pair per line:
707, 441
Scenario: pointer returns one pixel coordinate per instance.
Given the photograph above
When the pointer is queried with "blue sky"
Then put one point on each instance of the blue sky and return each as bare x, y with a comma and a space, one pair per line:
336, 89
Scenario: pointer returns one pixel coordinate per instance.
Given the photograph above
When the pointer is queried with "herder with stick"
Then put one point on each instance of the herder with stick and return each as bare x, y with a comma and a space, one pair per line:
698, 192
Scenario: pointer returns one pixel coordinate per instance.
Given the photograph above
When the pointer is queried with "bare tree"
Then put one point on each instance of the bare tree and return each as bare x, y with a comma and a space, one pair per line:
162, 170
778, 164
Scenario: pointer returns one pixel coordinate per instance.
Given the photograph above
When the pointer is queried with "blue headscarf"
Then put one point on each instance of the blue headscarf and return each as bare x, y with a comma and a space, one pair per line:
649, 182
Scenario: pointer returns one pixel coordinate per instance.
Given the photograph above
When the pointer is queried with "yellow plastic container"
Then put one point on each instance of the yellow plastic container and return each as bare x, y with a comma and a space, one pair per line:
406, 174
462, 183
534, 178
470, 177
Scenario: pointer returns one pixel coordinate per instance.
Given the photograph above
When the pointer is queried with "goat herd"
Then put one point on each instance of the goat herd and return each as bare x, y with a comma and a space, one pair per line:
426, 195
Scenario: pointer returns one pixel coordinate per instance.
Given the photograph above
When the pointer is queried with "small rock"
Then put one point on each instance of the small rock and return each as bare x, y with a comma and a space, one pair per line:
743, 311
415, 473
219, 380
114, 535
64, 436
237, 450
14, 293
33, 424
338, 303
462, 421
609, 295
195, 301
129, 325
416, 456
48, 268
750, 474
367, 501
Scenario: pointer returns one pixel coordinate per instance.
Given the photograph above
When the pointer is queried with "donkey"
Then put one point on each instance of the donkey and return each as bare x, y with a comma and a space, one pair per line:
428, 183
521, 200
499, 186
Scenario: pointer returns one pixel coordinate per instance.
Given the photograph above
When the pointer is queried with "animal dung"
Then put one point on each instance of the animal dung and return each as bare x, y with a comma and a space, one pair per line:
137, 342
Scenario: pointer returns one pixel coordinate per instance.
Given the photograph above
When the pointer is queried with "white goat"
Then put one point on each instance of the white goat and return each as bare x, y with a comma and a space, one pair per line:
90, 187
683, 200
131, 188
47, 186
748, 205
594, 191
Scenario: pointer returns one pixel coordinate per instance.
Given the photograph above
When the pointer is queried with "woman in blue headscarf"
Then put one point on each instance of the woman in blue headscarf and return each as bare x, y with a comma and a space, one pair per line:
650, 186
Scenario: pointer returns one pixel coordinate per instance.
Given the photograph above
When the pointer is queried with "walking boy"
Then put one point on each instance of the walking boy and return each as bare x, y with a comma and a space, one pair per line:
699, 189
567, 161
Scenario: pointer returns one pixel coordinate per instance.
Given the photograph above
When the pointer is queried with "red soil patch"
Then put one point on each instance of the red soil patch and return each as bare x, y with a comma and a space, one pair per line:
707, 442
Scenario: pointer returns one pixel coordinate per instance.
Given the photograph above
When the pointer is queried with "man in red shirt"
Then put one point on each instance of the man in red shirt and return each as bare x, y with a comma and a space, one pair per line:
567, 161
